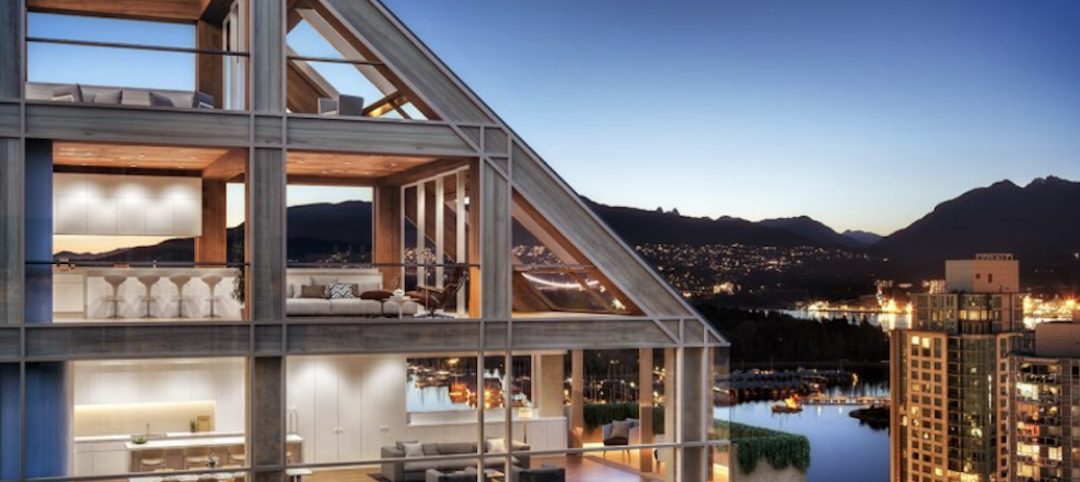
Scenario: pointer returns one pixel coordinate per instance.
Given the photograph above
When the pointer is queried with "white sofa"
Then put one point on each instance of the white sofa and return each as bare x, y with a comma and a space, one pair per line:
365, 279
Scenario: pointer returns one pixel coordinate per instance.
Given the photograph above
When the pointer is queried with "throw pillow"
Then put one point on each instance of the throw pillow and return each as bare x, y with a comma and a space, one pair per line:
313, 291
159, 100
115, 97
414, 449
295, 290
496, 445
621, 429
376, 295
340, 291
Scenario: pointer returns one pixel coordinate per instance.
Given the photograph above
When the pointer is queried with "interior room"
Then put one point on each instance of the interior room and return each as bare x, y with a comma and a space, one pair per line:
158, 415
137, 233
358, 413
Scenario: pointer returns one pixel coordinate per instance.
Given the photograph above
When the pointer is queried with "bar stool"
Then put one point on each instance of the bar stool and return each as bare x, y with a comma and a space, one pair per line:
180, 280
115, 280
212, 281
196, 457
152, 460
148, 281
237, 455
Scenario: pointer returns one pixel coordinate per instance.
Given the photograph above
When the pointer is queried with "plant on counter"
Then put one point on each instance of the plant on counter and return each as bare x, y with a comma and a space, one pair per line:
239, 291
780, 449
599, 414
139, 440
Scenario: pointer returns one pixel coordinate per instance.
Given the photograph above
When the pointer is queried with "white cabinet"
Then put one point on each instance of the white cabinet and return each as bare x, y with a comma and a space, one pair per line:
105, 204
101, 458
69, 292
325, 396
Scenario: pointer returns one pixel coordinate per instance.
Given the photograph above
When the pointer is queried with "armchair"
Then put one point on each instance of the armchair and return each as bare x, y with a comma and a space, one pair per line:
433, 299
627, 433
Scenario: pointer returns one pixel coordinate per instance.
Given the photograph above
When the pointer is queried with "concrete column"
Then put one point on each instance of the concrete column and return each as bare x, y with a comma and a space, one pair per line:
645, 404
577, 398
11, 231
266, 236
266, 417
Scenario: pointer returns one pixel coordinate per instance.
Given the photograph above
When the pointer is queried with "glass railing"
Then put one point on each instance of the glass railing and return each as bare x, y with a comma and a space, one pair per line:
128, 74
379, 290
153, 291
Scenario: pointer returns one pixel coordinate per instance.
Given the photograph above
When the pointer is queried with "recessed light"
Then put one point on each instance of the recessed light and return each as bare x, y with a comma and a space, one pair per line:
134, 165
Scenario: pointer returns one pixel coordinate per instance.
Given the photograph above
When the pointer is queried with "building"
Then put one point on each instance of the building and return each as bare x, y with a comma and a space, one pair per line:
1047, 405
222, 324
950, 376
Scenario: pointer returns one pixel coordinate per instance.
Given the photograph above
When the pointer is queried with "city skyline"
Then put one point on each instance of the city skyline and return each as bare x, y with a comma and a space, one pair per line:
838, 105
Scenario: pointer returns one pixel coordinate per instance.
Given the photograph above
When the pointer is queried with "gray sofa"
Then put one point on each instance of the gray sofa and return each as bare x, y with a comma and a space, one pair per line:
404, 471
365, 279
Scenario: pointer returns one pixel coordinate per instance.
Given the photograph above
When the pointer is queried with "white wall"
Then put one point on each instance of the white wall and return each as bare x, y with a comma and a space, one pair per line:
103, 204
347, 407
219, 380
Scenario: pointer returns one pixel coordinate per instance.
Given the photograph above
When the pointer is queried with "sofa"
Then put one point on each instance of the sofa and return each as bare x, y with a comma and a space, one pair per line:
404, 471
365, 281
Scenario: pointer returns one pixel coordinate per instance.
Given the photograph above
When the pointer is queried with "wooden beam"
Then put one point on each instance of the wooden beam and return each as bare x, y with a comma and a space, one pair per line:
343, 35
645, 407
265, 224
228, 167
214, 11
87, 123
10, 50
303, 94
547, 234
424, 171
209, 69
12, 265
168, 10
328, 134
369, 25
386, 234
621, 268
267, 56
333, 180
212, 246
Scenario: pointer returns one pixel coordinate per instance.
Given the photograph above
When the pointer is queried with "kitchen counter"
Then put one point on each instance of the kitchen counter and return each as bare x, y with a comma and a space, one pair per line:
196, 441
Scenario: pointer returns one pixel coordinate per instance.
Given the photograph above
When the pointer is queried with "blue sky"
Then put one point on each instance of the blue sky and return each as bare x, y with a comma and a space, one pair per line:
862, 114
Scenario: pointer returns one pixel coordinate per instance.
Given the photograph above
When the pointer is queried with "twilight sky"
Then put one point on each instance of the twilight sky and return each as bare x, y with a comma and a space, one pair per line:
861, 114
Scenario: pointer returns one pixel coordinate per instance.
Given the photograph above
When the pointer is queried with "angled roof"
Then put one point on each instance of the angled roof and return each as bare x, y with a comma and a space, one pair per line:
434, 85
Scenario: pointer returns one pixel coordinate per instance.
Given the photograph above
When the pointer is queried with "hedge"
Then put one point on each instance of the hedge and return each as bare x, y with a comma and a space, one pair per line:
781, 449
599, 414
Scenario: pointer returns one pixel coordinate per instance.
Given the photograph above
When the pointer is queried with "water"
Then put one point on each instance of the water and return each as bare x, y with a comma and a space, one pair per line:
842, 449
891, 321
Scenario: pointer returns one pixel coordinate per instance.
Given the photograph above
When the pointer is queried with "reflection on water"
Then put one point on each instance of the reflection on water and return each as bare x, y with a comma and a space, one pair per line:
891, 321
842, 449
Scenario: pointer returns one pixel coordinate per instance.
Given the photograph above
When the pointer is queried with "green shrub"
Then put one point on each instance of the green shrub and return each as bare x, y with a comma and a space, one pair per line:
781, 449
599, 414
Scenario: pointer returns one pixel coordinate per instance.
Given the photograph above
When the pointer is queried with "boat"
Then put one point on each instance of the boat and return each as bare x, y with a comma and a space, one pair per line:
790, 405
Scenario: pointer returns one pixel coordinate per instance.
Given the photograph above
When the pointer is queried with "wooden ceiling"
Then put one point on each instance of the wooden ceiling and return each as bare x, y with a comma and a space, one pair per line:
303, 167
174, 10
123, 156
321, 164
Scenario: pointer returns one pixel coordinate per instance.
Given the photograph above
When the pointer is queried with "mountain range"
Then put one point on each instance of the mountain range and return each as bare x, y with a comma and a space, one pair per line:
1033, 222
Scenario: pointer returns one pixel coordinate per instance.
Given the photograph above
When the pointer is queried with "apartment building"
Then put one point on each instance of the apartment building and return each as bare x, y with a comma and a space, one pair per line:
281, 240
950, 376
